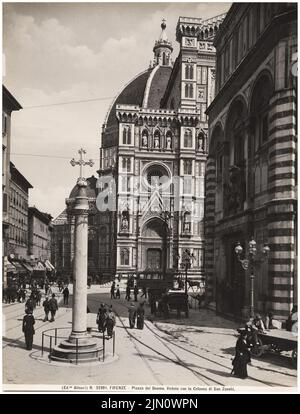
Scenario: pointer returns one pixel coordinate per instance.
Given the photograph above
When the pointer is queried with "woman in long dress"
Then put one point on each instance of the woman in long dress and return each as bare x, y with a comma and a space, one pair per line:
242, 356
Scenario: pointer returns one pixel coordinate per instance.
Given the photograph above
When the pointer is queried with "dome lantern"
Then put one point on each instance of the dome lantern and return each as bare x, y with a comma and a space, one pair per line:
163, 48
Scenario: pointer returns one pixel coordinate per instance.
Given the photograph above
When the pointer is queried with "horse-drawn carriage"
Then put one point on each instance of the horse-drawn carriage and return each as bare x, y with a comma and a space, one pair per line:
277, 341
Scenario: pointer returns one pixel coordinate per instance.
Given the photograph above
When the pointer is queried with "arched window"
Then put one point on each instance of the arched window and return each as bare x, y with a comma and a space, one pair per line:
127, 136
126, 164
164, 58
124, 257
189, 71
187, 222
187, 167
189, 90
188, 139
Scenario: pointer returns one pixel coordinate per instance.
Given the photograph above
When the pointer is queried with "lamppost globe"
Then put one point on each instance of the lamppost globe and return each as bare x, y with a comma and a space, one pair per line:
238, 249
266, 250
252, 246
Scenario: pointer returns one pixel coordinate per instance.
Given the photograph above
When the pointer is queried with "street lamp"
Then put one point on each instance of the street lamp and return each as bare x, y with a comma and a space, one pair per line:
165, 215
186, 263
251, 261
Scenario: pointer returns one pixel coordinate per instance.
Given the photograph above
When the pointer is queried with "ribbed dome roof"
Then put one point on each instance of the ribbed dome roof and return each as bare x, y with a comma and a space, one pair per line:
132, 94
91, 189
145, 90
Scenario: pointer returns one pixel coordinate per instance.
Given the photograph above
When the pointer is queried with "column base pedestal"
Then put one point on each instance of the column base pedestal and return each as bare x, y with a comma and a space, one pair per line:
86, 350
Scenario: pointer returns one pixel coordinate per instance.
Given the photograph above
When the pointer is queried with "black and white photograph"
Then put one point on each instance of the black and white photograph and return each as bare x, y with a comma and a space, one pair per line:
149, 198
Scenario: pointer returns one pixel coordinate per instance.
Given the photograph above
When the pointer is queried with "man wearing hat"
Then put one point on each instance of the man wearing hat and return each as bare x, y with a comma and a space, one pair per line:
28, 329
132, 315
53, 306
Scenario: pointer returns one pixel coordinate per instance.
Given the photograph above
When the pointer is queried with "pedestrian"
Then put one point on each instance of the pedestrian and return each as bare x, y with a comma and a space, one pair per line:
132, 315
28, 328
112, 290
135, 292
46, 307
46, 288
144, 292
242, 355
38, 297
30, 304
127, 297
66, 295
101, 318
53, 306
118, 293
140, 316
110, 322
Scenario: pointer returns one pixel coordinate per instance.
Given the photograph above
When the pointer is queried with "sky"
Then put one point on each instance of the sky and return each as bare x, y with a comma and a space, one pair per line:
55, 53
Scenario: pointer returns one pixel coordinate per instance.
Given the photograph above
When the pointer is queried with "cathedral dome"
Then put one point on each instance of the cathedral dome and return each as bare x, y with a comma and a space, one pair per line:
91, 189
146, 91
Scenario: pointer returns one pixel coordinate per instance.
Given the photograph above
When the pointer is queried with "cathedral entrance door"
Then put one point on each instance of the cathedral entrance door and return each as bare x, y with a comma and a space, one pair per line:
154, 259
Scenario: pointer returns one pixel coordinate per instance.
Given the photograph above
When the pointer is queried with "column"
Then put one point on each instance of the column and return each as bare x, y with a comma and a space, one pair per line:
80, 211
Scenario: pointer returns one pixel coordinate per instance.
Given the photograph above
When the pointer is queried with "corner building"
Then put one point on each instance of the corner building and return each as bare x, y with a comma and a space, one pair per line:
251, 167
156, 131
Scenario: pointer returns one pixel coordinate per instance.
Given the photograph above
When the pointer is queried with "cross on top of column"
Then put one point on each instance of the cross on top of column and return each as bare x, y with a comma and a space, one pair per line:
81, 162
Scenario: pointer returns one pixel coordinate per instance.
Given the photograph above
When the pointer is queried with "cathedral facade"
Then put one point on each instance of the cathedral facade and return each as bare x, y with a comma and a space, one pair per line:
153, 158
147, 204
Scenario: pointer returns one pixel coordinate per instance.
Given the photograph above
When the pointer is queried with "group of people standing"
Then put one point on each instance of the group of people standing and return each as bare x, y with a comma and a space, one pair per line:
49, 305
106, 320
115, 291
136, 314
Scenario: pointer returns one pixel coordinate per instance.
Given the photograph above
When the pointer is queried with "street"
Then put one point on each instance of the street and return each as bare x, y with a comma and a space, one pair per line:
174, 352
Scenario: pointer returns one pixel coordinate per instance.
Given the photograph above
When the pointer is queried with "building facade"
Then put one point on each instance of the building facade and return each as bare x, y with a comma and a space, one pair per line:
9, 104
153, 156
39, 234
251, 168
147, 206
18, 213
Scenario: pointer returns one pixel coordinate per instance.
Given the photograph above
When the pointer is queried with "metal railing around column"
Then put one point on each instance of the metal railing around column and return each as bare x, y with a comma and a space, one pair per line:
52, 335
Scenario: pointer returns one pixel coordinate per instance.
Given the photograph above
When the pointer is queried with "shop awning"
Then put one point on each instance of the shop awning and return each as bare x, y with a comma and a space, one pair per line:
49, 266
11, 268
39, 266
18, 266
27, 267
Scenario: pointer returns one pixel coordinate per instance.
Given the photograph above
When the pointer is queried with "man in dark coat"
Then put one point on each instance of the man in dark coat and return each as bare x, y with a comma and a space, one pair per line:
135, 292
140, 316
66, 294
112, 290
28, 328
53, 306
110, 322
132, 315
46, 309
127, 297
